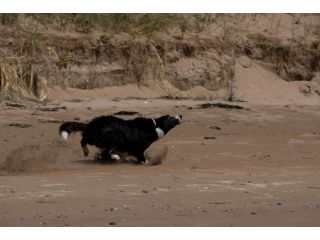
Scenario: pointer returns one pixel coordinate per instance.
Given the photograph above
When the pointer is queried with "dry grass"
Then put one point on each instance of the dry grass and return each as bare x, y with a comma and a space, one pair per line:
294, 62
25, 83
8, 77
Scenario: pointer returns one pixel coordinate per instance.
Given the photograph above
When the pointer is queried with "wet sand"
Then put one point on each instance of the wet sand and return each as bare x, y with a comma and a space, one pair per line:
257, 167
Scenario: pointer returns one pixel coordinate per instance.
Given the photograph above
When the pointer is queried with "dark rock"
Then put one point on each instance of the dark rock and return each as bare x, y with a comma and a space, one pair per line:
215, 127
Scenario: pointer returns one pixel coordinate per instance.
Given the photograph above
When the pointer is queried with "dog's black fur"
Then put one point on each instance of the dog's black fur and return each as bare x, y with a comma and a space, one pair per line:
113, 134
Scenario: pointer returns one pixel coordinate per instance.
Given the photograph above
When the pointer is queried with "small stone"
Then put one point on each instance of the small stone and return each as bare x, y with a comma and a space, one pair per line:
208, 138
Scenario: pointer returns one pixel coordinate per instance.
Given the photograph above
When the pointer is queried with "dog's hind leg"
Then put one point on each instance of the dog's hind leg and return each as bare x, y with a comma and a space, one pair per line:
110, 155
84, 147
114, 156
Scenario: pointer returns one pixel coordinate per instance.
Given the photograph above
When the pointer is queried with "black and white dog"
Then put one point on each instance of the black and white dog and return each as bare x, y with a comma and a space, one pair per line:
112, 134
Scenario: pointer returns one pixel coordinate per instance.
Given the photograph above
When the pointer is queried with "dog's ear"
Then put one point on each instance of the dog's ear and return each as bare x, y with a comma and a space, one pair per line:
162, 118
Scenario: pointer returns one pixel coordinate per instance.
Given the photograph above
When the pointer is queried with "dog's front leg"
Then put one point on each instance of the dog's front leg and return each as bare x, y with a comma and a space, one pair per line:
140, 157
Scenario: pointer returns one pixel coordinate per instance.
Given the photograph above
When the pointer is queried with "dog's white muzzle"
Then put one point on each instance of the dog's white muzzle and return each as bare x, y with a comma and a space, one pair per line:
179, 118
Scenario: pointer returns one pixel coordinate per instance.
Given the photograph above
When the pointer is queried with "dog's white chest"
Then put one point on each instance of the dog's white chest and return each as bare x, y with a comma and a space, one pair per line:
159, 132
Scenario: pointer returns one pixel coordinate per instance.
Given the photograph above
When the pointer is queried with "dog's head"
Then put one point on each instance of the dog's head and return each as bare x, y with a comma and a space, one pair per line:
167, 122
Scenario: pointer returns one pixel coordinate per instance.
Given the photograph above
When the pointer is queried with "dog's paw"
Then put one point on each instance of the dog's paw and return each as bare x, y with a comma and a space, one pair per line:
115, 157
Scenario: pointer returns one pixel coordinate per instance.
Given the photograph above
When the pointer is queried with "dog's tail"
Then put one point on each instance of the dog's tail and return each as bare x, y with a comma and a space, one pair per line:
70, 127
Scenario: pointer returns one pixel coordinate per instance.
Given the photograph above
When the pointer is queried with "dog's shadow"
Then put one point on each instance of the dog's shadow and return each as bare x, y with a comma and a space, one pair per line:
99, 160
153, 160
93, 162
